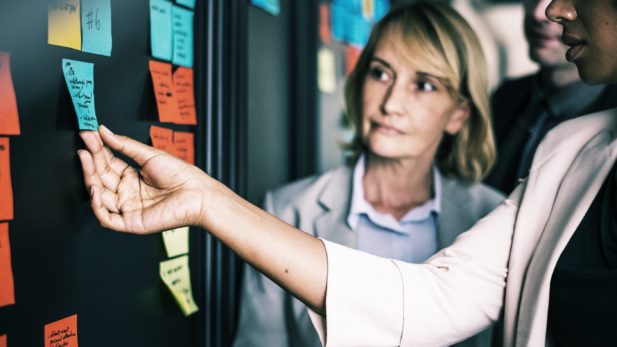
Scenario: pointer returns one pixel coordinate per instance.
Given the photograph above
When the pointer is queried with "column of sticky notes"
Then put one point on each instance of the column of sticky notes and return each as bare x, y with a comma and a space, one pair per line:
171, 69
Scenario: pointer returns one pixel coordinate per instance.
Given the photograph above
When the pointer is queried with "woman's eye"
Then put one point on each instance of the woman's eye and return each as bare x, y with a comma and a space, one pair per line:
379, 74
426, 86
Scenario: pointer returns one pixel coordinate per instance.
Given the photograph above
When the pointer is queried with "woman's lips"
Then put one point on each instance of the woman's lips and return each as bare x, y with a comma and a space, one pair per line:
386, 129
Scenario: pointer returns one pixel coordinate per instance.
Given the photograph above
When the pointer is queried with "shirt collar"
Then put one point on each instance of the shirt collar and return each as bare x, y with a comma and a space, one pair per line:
569, 101
359, 205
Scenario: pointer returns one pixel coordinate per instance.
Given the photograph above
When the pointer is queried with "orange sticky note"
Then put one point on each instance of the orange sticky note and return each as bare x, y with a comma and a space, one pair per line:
185, 96
162, 139
6, 189
7, 289
3, 341
9, 118
162, 81
185, 147
325, 34
62, 333
352, 54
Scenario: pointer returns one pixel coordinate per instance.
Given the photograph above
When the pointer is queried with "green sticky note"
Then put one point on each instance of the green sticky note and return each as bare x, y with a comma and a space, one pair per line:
79, 77
161, 34
183, 36
176, 241
176, 275
96, 26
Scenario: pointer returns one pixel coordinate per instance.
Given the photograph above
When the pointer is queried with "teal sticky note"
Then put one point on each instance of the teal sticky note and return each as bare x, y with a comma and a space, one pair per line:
79, 77
187, 3
271, 6
183, 36
96, 26
161, 38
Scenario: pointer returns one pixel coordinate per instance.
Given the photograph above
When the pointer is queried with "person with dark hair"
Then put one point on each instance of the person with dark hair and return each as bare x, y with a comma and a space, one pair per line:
418, 103
525, 109
546, 256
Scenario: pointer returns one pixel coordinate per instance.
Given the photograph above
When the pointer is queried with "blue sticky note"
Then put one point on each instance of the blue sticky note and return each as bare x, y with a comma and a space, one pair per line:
79, 77
96, 26
183, 36
271, 6
352, 6
187, 3
339, 18
360, 30
161, 34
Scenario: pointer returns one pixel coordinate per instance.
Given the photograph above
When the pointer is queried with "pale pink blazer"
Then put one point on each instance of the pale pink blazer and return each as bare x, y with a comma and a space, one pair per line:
503, 262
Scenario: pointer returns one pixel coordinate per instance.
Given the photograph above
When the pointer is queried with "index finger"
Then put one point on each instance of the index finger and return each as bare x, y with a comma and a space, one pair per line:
137, 151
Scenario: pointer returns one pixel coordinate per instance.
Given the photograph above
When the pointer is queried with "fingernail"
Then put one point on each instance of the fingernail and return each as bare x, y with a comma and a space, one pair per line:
106, 129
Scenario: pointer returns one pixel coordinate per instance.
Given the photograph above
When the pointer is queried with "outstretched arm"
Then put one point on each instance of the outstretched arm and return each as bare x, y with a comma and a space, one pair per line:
165, 192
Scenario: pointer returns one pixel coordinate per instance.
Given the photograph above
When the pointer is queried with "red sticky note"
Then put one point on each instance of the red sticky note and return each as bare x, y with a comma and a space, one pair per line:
62, 333
162, 80
3, 341
352, 54
185, 147
325, 34
6, 189
185, 96
162, 139
7, 289
9, 118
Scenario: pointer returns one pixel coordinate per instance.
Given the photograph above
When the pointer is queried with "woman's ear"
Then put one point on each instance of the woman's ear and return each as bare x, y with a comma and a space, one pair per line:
459, 118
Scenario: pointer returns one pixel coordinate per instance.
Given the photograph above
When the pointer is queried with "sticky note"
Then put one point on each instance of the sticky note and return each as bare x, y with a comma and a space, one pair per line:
176, 241
325, 34
3, 341
185, 96
63, 23
271, 6
79, 77
184, 146
368, 9
187, 3
327, 70
163, 139
7, 290
182, 36
176, 275
163, 84
96, 26
9, 118
62, 333
352, 54
340, 20
161, 34
6, 189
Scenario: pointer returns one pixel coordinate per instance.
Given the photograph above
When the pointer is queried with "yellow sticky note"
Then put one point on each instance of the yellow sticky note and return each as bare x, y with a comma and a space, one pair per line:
327, 70
368, 9
64, 23
176, 275
176, 241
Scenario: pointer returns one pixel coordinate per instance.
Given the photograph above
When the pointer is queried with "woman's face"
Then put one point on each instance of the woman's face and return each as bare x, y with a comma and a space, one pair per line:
406, 111
590, 31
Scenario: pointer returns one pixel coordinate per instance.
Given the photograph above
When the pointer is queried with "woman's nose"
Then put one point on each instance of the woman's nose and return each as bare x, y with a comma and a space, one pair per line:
394, 101
561, 11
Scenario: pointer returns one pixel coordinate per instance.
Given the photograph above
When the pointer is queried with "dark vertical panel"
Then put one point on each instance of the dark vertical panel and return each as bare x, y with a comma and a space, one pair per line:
303, 111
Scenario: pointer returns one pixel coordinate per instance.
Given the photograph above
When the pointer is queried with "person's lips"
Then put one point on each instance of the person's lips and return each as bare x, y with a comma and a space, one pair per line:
577, 46
386, 129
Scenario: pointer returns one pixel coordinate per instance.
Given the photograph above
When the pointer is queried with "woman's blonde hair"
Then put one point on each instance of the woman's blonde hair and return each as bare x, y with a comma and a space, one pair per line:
435, 39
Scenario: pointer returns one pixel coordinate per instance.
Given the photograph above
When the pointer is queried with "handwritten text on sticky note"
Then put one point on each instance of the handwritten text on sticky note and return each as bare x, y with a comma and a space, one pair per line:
79, 77
62, 333
63, 23
176, 275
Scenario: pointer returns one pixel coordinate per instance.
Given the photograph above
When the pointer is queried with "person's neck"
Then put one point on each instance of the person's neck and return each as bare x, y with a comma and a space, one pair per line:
558, 76
397, 186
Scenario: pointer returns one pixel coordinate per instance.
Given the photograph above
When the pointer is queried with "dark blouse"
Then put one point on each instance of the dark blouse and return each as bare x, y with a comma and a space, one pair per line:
583, 298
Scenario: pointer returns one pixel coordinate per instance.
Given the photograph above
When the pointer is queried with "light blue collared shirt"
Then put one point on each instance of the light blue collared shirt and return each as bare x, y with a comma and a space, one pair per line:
412, 239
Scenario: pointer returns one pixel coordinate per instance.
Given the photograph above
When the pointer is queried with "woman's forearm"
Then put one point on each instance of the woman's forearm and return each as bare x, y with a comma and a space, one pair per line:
293, 259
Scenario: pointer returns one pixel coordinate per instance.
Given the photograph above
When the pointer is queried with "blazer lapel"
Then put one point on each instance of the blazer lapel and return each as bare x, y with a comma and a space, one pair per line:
454, 218
574, 197
335, 199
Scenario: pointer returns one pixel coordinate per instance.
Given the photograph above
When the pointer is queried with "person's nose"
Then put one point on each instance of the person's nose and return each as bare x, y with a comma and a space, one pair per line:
394, 100
561, 11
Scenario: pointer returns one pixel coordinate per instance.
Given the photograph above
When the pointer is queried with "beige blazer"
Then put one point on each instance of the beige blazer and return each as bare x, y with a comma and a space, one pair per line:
319, 205
463, 288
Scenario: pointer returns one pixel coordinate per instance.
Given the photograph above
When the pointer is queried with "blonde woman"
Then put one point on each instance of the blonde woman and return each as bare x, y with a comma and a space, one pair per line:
537, 233
417, 100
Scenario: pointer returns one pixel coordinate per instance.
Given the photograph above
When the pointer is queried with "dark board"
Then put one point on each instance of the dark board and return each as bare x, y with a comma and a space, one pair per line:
63, 262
